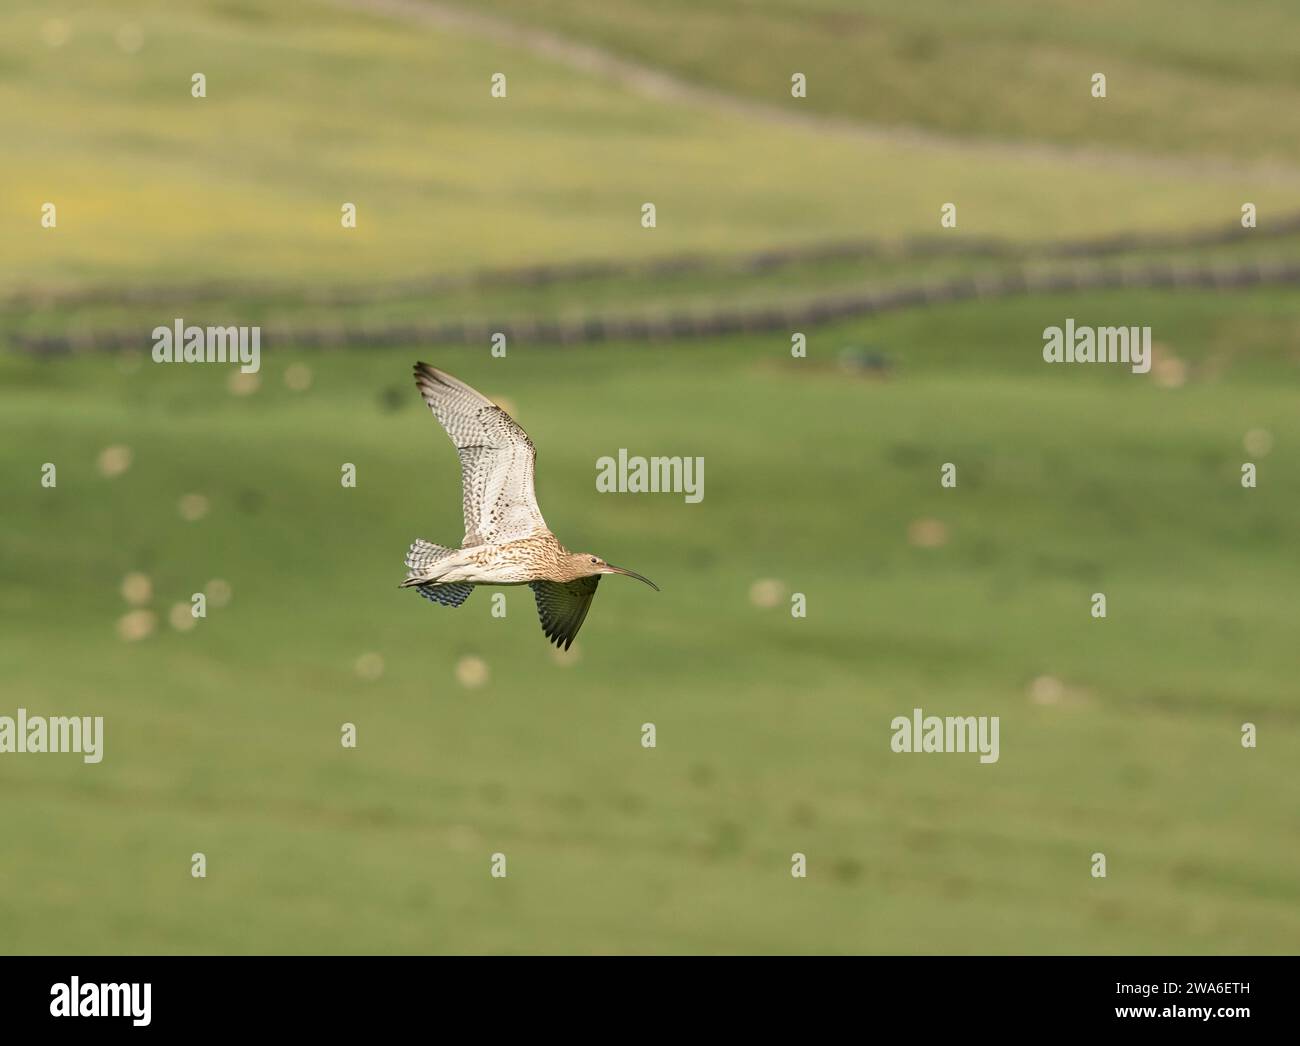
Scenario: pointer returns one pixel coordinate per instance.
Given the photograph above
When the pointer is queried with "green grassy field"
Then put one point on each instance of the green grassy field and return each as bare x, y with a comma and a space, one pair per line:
310, 107
1119, 736
773, 731
1207, 78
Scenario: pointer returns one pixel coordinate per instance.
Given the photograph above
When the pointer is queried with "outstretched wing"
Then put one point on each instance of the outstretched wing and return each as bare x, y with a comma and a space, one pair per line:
496, 460
563, 608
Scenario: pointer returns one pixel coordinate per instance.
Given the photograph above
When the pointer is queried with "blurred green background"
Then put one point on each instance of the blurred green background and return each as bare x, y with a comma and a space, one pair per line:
1119, 736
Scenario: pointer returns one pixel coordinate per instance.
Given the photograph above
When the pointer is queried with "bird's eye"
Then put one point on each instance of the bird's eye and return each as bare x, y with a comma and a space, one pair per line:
594, 559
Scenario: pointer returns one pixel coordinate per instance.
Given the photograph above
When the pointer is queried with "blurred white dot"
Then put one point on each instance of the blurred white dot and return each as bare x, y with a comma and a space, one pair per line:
218, 592
136, 625
766, 592
193, 507
1258, 442
298, 377
137, 589
471, 671
927, 533
130, 37
241, 384
55, 32
114, 460
1046, 690
566, 658
369, 666
1167, 370
182, 617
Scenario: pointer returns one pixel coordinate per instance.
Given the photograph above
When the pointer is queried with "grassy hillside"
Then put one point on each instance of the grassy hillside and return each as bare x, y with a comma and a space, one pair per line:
309, 107
1210, 78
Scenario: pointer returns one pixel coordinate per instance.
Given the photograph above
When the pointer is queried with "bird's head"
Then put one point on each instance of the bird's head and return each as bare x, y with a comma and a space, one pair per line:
587, 564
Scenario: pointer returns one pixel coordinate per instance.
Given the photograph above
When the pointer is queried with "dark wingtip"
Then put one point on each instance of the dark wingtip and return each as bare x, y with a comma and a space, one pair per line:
429, 373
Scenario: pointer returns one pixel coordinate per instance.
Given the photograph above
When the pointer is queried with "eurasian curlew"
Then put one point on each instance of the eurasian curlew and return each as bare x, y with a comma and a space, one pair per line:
506, 540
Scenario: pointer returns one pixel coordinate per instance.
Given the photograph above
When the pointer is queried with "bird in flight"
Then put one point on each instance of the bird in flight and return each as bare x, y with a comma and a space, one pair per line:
506, 540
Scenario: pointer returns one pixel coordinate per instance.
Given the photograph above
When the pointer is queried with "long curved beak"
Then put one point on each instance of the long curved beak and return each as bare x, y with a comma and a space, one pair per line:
611, 569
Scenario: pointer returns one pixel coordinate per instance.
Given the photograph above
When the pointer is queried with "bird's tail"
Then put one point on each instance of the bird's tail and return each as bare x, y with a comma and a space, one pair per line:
422, 560
420, 557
